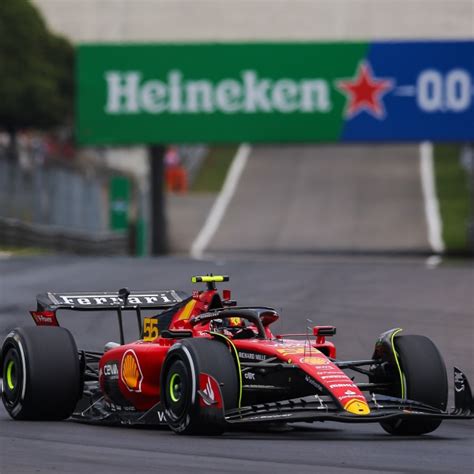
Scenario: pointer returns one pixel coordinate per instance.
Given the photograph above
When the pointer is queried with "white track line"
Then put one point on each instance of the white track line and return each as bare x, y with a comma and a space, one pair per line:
222, 201
428, 186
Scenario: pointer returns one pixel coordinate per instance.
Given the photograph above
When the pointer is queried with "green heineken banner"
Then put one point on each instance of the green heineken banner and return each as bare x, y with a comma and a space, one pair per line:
275, 92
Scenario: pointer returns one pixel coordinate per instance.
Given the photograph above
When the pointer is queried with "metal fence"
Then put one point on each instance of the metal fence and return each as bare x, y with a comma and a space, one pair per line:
56, 204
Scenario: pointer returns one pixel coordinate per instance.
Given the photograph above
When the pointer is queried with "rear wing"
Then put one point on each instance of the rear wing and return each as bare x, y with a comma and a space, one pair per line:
122, 300
107, 301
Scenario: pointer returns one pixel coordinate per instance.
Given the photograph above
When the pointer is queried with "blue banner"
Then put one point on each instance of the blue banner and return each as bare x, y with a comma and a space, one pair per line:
404, 91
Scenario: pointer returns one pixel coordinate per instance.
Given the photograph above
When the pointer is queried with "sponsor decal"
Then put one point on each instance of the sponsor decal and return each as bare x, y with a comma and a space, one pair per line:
142, 299
161, 416
357, 407
341, 385
365, 92
252, 356
270, 417
298, 350
210, 389
459, 385
313, 382
293, 349
209, 392
131, 372
128, 93
111, 370
264, 387
314, 360
345, 397
44, 318
114, 407
249, 93
339, 375
377, 91
352, 395
249, 376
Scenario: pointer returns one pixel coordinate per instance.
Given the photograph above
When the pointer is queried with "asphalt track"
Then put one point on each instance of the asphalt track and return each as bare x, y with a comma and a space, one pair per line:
327, 198
359, 295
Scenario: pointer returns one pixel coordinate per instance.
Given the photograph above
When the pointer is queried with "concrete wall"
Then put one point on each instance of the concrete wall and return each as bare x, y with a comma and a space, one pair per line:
224, 20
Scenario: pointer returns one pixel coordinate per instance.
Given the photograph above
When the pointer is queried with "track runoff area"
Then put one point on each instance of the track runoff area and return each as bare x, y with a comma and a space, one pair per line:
360, 297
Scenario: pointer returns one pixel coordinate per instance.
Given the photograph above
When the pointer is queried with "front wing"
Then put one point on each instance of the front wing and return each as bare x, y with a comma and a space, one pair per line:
382, 408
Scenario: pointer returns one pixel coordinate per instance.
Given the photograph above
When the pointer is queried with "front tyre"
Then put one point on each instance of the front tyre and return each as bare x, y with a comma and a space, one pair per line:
176, 392
198, 381
424, 380
41, 373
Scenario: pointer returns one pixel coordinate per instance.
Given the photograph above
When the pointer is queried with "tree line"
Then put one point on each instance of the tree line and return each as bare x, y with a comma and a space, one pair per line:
36, 71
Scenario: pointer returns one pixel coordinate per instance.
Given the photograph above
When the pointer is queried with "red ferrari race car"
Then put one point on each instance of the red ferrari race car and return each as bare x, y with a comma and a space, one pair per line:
203, 365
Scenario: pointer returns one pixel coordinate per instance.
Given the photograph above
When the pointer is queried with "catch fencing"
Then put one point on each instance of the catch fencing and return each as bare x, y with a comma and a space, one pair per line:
56, 204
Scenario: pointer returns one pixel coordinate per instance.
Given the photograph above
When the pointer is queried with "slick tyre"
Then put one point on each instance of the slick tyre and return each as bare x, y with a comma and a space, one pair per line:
185, 409
41, 374
425, 381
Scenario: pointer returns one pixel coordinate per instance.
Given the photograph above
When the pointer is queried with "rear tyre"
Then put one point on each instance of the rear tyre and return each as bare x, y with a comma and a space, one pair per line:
41, 374
425, 380
185, 410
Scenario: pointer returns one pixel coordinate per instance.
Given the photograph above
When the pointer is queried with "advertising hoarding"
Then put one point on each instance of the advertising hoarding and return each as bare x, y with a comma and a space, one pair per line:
275, 92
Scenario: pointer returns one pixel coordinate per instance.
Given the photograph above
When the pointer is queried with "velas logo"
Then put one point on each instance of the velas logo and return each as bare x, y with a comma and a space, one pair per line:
44, 318
131, 372
210, 394
365, 92
128, 93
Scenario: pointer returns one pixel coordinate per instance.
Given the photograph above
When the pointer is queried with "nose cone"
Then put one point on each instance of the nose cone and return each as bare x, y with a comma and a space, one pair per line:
357, 407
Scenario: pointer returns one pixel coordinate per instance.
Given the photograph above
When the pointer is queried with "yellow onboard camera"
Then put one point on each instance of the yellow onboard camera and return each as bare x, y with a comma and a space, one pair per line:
211, 280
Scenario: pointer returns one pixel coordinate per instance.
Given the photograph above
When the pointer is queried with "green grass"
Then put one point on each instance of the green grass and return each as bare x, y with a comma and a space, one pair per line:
214, 170
21, 251
452, 185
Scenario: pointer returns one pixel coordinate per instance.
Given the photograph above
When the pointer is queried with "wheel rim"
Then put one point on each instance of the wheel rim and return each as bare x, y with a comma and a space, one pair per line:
176, 391
11, 374
175, 387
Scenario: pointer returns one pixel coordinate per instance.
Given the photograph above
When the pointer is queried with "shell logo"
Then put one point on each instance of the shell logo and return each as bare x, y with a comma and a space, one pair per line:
131, 372
314, 360
357, 407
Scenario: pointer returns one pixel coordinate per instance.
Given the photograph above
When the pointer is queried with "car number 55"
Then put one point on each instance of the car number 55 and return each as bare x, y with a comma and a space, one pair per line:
150, 329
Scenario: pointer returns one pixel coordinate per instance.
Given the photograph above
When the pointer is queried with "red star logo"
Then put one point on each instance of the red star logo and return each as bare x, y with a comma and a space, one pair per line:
364, 92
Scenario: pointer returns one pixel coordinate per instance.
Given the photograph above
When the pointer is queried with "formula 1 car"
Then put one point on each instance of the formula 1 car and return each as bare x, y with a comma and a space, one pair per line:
203, 365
